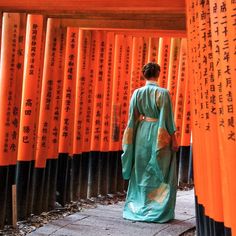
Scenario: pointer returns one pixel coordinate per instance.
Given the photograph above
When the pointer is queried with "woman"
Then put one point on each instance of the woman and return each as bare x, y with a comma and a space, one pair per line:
149, 146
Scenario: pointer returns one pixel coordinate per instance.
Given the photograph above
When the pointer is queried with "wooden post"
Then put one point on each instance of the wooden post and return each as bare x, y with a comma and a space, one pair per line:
14, 206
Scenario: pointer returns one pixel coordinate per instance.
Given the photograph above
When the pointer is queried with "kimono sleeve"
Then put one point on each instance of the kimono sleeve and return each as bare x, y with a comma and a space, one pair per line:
128, 141
166, 123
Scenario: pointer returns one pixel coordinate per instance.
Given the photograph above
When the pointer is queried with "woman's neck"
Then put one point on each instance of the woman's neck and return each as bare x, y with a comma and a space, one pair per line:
151, 81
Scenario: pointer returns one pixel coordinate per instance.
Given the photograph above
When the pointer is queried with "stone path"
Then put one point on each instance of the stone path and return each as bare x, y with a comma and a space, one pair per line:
108, 221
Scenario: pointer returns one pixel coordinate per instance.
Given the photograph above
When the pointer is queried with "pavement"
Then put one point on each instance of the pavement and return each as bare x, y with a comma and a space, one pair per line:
108, 221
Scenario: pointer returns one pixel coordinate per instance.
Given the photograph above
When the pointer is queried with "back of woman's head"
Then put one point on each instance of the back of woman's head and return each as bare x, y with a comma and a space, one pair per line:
151, 70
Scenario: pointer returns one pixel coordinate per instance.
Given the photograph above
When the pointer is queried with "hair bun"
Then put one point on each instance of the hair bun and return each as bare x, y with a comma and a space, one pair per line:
150, 70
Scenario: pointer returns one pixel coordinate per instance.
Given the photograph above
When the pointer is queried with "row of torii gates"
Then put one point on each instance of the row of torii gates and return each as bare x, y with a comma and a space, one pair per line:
67, 71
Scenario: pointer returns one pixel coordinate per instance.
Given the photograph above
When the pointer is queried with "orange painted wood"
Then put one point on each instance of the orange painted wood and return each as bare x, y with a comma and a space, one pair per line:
227, 123
125, 88
213, 152
145, 49
90, 91
73, 5
49, 78
107, 98
231, 17
55, 118
153, 49
38, 89
143, 14
144, 58
68, 97
8, 70
210, 155
31, 88
173, 68
0, 31
208, 146
200, 109
193, 59
136, 67
180, 89
163, 60
186, 126
116, 92
155, 33
98, 94
157, 24
19, 83
82, 82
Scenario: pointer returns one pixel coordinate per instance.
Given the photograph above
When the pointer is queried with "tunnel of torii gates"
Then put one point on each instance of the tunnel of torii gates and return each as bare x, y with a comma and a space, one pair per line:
67, 72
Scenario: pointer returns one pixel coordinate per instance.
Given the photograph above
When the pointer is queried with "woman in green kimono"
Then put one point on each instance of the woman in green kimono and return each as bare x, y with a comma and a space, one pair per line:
149, 146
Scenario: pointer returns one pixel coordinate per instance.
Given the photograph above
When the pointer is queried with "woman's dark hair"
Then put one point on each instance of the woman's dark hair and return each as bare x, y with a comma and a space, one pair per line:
151, 70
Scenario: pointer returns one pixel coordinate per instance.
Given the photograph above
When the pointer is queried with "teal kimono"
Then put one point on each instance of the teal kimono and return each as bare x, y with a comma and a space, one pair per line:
147, 160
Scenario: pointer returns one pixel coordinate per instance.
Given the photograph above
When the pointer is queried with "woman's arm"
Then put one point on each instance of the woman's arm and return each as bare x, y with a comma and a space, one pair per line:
174, 143
128, 140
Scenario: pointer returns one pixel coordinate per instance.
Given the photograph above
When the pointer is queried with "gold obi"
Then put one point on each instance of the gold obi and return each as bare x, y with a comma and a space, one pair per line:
148, 119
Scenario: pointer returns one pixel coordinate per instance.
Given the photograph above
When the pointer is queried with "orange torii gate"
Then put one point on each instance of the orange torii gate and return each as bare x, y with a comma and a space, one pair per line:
141, 24
60, 129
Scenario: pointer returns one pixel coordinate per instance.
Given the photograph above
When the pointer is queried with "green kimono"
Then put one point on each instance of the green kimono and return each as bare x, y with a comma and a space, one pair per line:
148, 161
